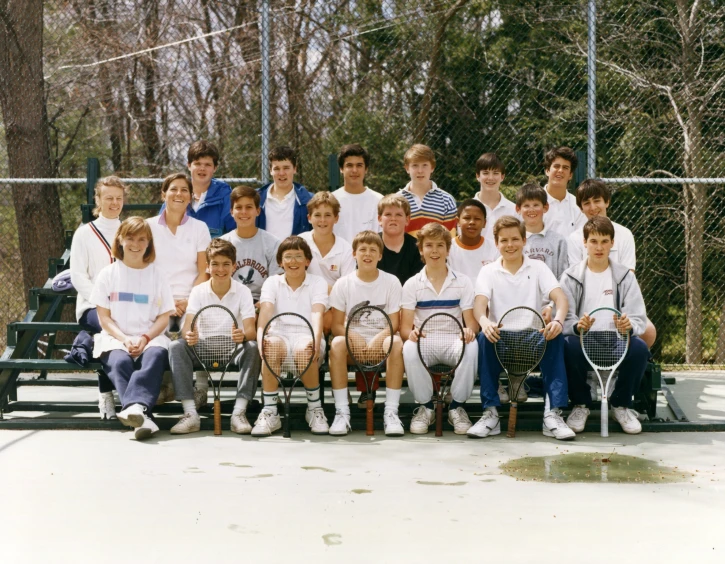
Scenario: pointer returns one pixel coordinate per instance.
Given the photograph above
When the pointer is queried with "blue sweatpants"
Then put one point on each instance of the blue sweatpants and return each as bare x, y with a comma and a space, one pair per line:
552, 371
137, 380
90, 323
630, 372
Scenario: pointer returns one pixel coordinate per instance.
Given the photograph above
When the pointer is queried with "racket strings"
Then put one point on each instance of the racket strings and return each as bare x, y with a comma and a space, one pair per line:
521, 345
604, 344
369, 336
288, 346
215, 346
440, 343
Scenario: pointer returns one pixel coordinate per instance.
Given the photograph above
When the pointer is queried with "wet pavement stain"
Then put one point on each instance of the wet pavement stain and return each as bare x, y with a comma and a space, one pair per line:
592, 467
425, 483
361, 491
256, 476
316, 468
332, 539
234, 465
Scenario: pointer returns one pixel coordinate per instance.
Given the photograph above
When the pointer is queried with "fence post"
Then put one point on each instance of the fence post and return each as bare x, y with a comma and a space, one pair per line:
333, 172
592, 89
265, 33
581, 172
93, 173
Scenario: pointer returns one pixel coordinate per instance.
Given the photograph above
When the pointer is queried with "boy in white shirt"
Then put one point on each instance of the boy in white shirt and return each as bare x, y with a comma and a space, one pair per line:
438, 289
563, 216
470, 250
366, 286
490, 173
358, 203
223, 290
298, 292
511, 281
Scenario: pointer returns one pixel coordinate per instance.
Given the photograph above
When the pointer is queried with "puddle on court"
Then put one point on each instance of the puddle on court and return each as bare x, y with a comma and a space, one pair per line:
592, 467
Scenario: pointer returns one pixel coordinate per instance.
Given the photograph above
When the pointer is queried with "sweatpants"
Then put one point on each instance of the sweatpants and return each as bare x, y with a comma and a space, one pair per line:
137, 380
420, 382
551, 366
89, 322
629, 373
183, 363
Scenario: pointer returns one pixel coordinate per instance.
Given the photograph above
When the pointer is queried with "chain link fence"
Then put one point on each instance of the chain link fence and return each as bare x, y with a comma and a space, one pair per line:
134, 82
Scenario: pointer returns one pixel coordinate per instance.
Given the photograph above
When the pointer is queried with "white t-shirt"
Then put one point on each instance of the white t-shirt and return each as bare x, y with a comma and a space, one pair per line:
563, 216
358, 212
504, 207
350, 293
312, 291
455, 297
136, 297
256, 259
280, 214
599, 291
176, 254
336, 263
238, 300
469, 260
622, 250
530, 286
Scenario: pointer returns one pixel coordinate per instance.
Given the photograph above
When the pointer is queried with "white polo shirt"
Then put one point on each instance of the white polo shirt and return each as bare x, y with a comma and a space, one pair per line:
456, 296
238, 300
280, 214
176, 254
530, 286
622, 250
358, 212
563, 216
312, 291
504, 207
469, 260
336, 263
351, 293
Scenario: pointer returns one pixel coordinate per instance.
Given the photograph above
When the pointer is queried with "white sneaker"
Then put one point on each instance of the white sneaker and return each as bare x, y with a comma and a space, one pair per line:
106, 406
187, 423
555, 426
627, 418
239, 424
422, 419
460, 421
266, 424
341, 425
503, 394
201, 397
133, 415
146, 429
522, 396
577, 419
318, 422
166, 394
392, 424
486, 426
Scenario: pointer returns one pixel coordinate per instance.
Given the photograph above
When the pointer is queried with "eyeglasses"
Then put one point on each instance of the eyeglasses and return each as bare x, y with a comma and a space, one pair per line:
293, 258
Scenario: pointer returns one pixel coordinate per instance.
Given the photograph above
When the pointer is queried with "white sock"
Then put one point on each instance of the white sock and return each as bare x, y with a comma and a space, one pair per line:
202, 381
313, 398
493, 410
188, 406
341, 402
240, 406
392, 399
270, 401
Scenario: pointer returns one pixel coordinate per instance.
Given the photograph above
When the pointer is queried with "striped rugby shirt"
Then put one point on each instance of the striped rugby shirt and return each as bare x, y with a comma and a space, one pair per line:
456, 296
436, 206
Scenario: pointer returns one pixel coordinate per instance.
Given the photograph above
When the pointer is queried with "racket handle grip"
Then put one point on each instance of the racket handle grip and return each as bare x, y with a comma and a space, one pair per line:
286, 433
605, 417
217, 417
439, 418
513, 413
369, 429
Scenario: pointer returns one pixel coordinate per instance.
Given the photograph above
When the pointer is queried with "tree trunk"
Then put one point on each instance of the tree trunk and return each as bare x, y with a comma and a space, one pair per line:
22, 98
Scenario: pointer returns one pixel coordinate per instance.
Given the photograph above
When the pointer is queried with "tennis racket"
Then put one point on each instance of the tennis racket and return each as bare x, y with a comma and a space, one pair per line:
519, 349
369, 339
288, 350
215, 348
605, 347
441, 345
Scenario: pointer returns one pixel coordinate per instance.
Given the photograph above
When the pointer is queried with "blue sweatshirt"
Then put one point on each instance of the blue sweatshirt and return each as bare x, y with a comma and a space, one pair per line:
299, 221
215, 210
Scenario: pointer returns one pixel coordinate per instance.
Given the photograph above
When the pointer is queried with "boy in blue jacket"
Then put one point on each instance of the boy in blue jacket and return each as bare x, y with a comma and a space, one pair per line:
283, 201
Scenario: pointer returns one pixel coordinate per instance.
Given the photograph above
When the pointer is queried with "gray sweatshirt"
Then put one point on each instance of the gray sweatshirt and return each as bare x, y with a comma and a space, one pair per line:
627, 296
549, 247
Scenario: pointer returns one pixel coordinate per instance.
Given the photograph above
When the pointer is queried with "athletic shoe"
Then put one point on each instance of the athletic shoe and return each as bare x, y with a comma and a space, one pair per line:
486, 426
133, 415
146, 429
555, 426
448, 399
106, 406
460, 421
266, 424
503, 394
318, 422
362, 401
201, 397
392, 424
627, 418
422, 419
522, 396
578, 418
188, 423
239, 424
166, 394
341, 425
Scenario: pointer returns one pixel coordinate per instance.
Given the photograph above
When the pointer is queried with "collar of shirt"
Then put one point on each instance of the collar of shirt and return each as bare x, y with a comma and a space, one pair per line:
162, 219
450, 277
291, 194
542, 232
305, 282
210, 290
478, 245
502, 203
433, 187
524, 266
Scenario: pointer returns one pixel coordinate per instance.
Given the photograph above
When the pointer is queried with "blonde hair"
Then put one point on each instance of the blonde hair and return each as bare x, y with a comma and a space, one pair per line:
434, 231
506, 221
418, 153
367, 237
129, 227
323, 199
394, 201
111, 181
